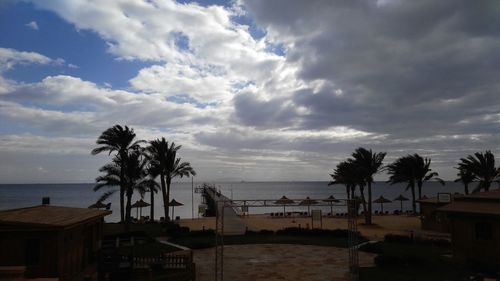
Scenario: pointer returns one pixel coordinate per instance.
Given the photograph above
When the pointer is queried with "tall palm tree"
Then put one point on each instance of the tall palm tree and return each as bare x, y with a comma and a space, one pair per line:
423, 172
348, 174
120, 140
153, 188
344, 174
482, 166
466, 177
402, 171
414, 170
368, 164
163, 157
135, 178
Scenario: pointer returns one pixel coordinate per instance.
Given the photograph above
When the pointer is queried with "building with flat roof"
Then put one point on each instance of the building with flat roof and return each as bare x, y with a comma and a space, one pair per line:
475, 227
50, 241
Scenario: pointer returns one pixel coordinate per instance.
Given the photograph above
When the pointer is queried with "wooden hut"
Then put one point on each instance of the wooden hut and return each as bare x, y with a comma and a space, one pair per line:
475, 227
429, 217
50, 241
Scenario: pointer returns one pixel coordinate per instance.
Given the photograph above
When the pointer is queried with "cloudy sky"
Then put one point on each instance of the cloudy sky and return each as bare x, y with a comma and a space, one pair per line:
253, 90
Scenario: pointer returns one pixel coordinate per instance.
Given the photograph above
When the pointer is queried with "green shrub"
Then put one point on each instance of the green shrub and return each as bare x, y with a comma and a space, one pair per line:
375, 248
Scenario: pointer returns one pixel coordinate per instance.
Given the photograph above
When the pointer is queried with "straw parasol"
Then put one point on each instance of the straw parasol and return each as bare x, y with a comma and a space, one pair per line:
174, 203
308, 202
331, 200
284, 201
98, 205
139, 204
401, 198
382, 200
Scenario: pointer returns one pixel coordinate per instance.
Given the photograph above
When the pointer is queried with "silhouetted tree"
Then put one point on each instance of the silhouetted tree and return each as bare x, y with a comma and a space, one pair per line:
465, 177
423, 172
120, 140
413, 170
368, 164
167, 166
344, 174
134, 177
348, 174
482, 166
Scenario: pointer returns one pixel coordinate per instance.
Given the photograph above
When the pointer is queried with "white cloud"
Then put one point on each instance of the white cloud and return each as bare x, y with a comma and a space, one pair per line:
33, 25
10, 57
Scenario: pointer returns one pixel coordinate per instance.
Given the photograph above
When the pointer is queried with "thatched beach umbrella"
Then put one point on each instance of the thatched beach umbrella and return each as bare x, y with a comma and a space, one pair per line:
308, 202
174, 203
382, 200
331, 200
98, 205
401, 198
284, 201
139, 204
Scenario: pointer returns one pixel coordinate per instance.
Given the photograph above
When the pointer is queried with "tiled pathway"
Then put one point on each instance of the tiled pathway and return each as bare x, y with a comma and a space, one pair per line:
278, 262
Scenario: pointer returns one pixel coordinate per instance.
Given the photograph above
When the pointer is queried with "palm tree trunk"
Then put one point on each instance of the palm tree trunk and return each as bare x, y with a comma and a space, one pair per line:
128, 209
369, 213
169, 180
164, 195
487, 185
419, 184
347, 191
363, 201
122, 204
152, 214
414, 201
122, 186
466, 187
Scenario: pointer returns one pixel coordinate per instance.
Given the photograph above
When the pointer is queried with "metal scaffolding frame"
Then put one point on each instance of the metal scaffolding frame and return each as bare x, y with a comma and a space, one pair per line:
352, 239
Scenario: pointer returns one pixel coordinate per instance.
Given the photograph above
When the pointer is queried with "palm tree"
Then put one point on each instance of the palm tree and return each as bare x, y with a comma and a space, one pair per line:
401, 171
135, 178
167, 166
153, 188
368, 164
344, 174
482, 166
466, 177
348, 174
423, 172
120, 140
414, 170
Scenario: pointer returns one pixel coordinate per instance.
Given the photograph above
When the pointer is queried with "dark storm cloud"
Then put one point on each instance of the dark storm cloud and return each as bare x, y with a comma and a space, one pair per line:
405, 68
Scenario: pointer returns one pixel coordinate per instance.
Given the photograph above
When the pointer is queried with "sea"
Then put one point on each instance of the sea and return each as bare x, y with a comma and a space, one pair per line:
82, 195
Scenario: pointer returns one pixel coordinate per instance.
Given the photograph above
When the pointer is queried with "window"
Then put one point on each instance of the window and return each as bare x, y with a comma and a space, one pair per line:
32, 251
484, 231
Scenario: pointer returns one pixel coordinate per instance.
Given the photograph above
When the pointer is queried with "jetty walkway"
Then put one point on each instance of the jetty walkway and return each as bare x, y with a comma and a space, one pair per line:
233, 224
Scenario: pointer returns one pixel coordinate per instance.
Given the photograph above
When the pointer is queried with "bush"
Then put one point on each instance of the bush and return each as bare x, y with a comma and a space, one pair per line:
266, 232
201, 233
401, 261
393, 238
295, 231
375, 248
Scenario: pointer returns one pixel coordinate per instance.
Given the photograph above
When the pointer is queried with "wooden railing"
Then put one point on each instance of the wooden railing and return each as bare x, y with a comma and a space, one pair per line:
175, 260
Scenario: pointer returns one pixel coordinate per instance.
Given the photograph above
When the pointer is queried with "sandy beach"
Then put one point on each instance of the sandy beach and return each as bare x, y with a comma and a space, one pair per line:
387, 224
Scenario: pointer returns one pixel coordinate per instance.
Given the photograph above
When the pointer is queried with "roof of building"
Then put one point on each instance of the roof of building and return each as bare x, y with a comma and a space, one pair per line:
472, 207
487, 203
493, 195
48, 215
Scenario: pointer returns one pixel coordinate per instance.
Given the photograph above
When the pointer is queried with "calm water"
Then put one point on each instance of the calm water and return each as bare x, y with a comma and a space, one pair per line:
81, 195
